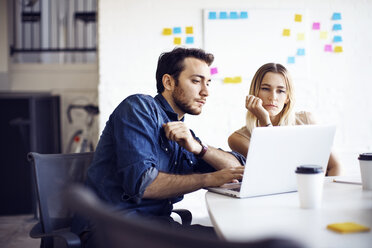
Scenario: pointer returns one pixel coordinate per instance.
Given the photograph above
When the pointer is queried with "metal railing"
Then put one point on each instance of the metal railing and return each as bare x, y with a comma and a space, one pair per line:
53, 30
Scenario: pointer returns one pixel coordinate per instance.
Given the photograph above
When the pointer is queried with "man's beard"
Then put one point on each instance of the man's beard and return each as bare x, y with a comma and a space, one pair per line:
182, 103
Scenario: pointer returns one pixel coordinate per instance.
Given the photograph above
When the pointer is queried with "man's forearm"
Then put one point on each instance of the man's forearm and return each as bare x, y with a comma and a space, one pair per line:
170, 185
220, 159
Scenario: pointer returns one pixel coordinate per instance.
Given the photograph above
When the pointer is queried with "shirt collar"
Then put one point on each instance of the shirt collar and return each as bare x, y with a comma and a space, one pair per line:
167, 108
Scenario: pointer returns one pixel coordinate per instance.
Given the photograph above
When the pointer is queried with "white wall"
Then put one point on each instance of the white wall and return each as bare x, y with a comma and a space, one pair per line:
336, 88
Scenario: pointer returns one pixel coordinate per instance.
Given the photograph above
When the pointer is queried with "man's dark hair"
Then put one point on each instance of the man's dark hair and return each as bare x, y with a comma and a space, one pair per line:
172, 63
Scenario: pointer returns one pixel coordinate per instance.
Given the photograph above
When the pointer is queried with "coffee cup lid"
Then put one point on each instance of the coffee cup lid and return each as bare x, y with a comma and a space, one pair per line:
365, 156
309, 169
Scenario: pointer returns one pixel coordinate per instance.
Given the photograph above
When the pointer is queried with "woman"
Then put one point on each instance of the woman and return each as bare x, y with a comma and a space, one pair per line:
271, 103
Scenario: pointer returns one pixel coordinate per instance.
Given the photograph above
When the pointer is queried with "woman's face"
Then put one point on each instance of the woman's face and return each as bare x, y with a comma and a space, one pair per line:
273, 93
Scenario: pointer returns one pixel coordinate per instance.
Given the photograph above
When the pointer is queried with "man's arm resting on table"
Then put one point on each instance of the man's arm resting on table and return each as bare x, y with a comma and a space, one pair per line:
169, 185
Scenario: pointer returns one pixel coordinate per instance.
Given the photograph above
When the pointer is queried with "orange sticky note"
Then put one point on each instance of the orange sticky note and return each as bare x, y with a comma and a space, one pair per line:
298, 18
167, 31
348, 227
177, 41
286, 32
338, 49
323, 35
300, 36
189, 30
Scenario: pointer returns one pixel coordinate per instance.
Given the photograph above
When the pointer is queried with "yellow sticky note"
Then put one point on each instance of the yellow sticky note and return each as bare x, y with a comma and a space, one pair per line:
323, 35
167, 31
177, 41
286, 32
348, 227
338, 49
298, 18
300, 36
189, 30
232, 80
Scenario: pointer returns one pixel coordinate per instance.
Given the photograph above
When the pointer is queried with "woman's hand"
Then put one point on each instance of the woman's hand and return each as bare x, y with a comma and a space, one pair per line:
254, 105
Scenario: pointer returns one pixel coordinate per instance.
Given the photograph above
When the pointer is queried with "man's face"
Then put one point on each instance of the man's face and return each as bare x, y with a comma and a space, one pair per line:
191, 91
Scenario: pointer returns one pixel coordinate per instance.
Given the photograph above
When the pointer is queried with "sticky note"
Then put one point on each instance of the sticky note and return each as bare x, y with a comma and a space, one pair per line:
212, 15
337, 27
300, 51
316, 25
328, 48
286, 32
177, 41
214, 70
300, 36
234, 15
348, 227
337, 38
338, 49
244, 15
323, 35
167, 31
291, 60
189, 40
176, 30
189, 30
223, 15
233, 80
336, 16
298, 18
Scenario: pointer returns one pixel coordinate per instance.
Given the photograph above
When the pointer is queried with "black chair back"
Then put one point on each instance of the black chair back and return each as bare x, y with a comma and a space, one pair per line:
52, 173
114, 230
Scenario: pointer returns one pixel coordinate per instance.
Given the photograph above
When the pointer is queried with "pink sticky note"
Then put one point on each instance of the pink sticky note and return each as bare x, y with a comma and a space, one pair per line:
316, 25
328, 48
214, 70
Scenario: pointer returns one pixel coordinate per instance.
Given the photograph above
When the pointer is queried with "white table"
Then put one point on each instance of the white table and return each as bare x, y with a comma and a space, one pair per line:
280, 216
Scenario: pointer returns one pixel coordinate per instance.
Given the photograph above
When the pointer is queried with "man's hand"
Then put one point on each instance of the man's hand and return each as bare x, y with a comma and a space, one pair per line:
254, 105
227, 175
180, 133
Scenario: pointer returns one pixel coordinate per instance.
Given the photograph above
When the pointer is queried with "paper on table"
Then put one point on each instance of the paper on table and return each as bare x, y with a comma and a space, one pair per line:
346, 179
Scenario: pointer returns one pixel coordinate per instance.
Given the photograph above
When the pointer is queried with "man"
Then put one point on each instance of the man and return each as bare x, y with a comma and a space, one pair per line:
147, 158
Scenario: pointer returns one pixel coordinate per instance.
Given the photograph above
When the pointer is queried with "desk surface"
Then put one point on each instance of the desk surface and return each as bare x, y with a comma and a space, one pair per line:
280, 215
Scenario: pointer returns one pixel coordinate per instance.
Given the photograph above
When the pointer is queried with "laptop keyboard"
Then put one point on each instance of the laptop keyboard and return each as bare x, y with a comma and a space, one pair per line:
236, 189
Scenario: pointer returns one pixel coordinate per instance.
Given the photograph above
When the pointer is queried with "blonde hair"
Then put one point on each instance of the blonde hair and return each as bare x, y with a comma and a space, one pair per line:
287, 115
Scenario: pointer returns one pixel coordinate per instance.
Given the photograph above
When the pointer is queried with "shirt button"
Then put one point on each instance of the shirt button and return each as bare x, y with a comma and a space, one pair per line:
191, 162
166, 149
175, 163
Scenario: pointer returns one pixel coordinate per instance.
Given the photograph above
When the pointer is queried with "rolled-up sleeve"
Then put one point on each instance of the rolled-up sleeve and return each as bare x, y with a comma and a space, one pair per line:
134, 130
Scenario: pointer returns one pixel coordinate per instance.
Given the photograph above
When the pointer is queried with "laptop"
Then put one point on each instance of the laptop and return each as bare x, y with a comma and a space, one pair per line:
274, 153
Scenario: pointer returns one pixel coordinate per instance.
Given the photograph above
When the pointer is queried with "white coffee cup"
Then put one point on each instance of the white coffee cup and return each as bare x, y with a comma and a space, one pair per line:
310, 179
365, 162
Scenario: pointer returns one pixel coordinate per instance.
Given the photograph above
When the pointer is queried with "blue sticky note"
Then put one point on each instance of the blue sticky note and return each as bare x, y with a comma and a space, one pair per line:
336, 16
291, 60
337, 38
234, 15
177, 30
301, 52
223, 15
244, 15
189, 40
337, 27
212, 15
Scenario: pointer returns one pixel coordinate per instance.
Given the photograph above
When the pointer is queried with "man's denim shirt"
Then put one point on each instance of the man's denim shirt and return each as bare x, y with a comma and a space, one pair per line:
133, 149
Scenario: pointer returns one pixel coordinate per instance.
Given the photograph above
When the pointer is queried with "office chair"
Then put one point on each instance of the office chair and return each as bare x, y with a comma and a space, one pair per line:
114, 230
52, 173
